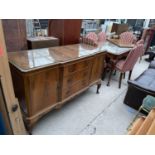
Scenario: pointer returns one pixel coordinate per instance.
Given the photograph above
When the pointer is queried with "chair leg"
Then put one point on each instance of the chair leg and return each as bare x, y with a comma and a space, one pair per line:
123, 75
130, 72
98, 87
110, 74
120, 79
103, 74
140, 59
114, 72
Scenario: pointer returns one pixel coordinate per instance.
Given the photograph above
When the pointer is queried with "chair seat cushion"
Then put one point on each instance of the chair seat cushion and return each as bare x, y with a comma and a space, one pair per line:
146, 80
120, 64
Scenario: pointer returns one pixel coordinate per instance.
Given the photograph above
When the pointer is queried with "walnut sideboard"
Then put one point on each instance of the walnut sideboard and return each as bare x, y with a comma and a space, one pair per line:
45, 79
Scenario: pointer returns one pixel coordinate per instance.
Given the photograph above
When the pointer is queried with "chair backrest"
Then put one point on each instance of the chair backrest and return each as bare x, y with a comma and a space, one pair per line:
132, 57
102, 37
127, 38
87, 41
141, 41
92, 36
147, 36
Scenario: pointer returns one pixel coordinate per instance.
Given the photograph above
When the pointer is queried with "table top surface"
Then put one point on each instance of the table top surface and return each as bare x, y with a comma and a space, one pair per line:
118, 43
41, 38
29, 60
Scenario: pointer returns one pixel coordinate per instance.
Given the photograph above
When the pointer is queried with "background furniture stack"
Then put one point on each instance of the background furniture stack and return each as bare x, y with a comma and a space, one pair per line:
89, 26
16, 36
36, 27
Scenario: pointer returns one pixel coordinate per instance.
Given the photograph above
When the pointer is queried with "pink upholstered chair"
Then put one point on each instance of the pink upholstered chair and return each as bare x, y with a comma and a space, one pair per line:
93, 39
127, 38
90, 39
127, 64
141, 41
92, 36
102, 37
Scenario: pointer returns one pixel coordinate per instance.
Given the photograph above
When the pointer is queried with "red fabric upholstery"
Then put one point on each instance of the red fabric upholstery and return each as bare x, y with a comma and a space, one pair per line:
102, 37
128, 64
127, 38
92, 36
88, 41
94, 39
120, 64
141, 41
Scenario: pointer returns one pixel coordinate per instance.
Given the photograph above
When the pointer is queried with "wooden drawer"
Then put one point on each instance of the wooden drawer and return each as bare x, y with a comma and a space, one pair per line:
70, 80
75, 88
77, 66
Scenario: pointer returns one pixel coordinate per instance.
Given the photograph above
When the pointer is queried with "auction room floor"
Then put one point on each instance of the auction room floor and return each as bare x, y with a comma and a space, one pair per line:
91, 113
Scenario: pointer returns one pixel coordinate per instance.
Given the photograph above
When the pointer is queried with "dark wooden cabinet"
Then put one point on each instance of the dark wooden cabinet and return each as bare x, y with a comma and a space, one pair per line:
67, 30
15, 34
